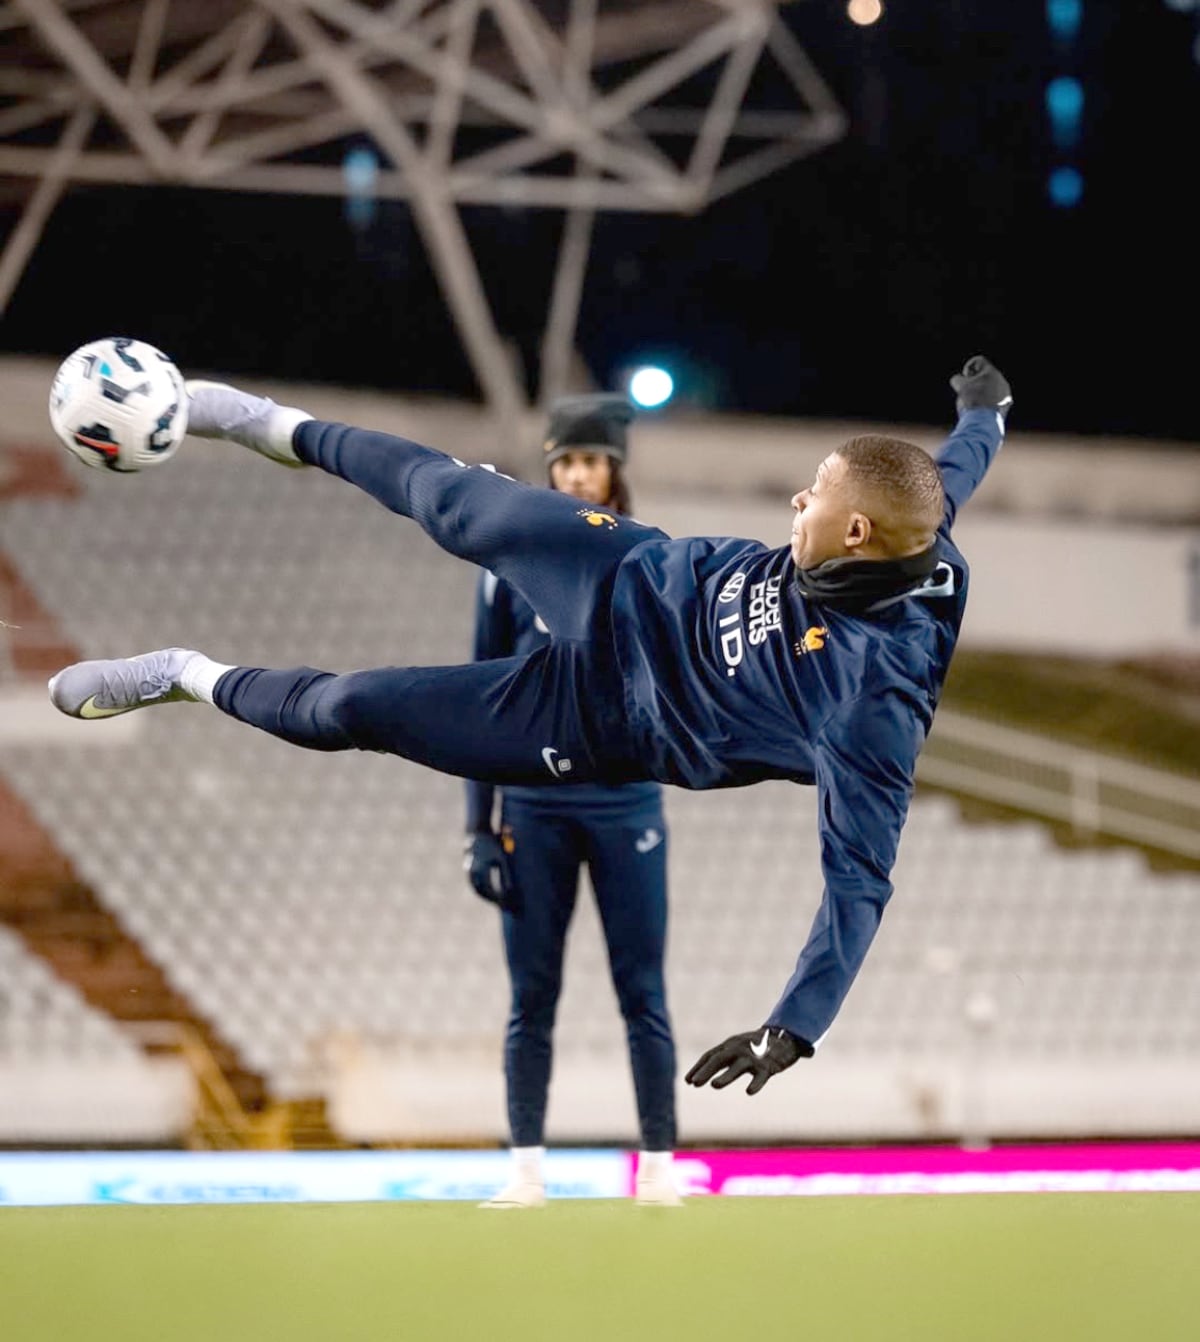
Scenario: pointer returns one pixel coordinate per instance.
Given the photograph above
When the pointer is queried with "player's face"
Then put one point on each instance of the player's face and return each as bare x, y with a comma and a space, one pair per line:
583, 474
823, 516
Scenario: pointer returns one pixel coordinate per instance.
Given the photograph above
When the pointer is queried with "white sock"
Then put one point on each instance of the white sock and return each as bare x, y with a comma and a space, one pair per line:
527, 1164
655, 1164
281, 426
200, 675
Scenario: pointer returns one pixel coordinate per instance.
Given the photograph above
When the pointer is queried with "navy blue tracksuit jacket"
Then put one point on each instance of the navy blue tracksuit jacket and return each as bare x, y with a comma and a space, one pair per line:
694, 661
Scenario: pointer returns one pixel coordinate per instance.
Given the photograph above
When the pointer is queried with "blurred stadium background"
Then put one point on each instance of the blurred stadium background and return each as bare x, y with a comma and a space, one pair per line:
431, 216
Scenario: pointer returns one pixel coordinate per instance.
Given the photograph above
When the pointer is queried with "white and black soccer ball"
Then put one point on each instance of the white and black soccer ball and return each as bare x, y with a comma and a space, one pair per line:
119, 404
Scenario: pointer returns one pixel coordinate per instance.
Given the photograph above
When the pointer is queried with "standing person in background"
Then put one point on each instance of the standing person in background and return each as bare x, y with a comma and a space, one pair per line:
529, 862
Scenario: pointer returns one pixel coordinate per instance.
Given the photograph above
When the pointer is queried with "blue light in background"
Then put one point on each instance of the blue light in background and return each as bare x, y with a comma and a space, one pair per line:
1065, 187
651, 387
360, 168
360, 172
1064, 18
1064, 103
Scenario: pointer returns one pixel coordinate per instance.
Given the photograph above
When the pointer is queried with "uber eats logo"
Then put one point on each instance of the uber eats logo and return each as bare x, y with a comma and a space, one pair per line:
750, 624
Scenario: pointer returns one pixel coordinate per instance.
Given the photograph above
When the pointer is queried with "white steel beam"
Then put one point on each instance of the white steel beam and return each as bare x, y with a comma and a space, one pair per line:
524, 31
579, 46
433, 210
119, 166
412, 75
24, 238
74, 50
18, 83
731, 89
181, 79
559, 339
244, 151
148, 44
446, 111
10, 17
665, 74
501, 98
795, 63
200, 130
753, 167
21, 116
574, 55
309, 179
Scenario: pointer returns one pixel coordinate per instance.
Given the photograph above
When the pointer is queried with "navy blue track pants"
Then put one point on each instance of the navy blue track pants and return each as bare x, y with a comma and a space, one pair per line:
625, 851
557, 712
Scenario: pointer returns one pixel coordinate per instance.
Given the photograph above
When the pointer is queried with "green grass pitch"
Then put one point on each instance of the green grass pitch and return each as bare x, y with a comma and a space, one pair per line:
1014, 1268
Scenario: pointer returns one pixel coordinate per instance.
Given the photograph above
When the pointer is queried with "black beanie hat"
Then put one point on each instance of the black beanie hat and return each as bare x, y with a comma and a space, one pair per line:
597, 422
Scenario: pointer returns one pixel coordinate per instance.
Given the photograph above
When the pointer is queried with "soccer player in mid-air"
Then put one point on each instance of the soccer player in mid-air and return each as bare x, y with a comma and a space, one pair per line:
703, 662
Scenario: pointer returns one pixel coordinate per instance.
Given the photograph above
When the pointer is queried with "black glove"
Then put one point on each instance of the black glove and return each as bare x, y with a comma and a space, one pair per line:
487, 867
981, 386
761, 1053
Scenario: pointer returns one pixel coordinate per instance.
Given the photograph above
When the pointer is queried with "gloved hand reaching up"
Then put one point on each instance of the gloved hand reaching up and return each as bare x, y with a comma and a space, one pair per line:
981, 386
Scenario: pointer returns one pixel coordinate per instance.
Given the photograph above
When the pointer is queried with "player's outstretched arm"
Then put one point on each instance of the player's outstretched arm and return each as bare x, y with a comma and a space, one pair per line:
982, 399
865, 765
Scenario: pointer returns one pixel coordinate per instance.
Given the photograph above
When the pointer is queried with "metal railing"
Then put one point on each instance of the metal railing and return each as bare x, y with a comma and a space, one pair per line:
219, 1123
1096, 794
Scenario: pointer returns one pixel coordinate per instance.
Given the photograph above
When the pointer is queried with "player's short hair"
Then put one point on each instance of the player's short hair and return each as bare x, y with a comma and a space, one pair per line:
902, 473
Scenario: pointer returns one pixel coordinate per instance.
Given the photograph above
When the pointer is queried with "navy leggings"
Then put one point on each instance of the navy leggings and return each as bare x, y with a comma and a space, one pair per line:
625, 851
557, 712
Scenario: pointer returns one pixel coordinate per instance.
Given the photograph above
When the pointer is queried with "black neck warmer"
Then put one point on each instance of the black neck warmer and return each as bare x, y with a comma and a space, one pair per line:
854, 585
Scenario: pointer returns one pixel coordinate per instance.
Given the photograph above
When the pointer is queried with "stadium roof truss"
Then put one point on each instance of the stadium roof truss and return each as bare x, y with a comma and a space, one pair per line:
581, 106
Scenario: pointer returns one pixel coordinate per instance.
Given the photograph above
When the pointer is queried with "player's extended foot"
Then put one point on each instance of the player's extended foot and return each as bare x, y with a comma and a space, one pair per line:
102, 689
217, 410
517, 1196
657, 1191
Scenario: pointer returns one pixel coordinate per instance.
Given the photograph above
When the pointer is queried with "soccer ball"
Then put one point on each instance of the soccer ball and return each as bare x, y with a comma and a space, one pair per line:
119, 404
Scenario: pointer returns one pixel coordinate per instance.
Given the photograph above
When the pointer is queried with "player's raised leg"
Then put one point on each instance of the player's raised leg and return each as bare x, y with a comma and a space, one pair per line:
508, 720
555, 551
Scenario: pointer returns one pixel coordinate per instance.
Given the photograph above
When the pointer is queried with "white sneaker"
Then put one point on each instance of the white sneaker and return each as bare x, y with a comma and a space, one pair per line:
217, 410
657, 1191
103, 689
517, 1196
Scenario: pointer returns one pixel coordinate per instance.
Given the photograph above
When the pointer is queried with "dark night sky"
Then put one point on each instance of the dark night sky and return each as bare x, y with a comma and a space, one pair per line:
850, 284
